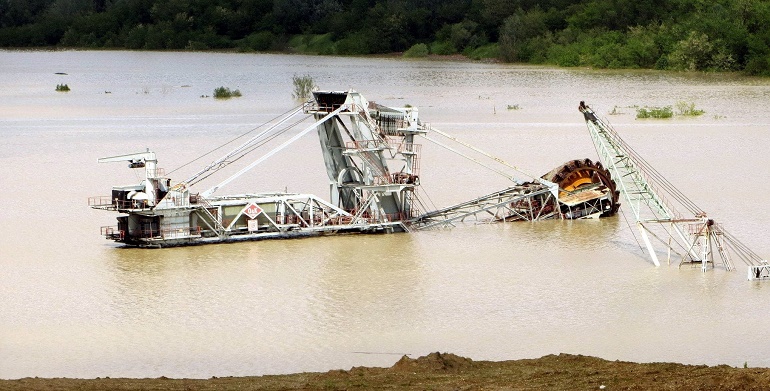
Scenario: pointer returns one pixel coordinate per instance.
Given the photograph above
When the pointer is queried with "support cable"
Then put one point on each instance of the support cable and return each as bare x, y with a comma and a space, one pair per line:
649, 171
440, 144
235, 139
628, 223
254, 147
422, 204
495, 158
745, 250
216, 165
276, 150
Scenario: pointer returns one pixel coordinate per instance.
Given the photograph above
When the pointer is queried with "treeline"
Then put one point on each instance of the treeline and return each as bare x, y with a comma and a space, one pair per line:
702, 35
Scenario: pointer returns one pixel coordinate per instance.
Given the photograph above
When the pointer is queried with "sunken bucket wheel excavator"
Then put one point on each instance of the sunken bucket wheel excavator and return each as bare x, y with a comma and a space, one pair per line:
583, 180
373, 160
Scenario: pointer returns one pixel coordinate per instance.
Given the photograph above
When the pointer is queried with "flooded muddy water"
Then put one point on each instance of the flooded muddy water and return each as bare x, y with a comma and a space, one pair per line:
73, 304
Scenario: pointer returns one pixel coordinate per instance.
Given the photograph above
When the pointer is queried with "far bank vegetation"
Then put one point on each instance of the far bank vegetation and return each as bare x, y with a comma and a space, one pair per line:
682, 35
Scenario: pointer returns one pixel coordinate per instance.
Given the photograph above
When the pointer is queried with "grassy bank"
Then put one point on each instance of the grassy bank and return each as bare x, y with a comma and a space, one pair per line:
450, 372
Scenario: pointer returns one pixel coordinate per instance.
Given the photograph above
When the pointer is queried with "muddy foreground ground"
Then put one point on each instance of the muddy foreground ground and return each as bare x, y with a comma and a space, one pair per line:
444, 371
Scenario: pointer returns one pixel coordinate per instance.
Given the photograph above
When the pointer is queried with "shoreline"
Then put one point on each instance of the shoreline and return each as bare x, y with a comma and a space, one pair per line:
390, 56
396, 55
446, 371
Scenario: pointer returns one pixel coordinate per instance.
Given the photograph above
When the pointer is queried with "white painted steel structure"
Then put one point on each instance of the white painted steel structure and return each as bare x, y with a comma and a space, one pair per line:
372, 163
651, 200
360, 143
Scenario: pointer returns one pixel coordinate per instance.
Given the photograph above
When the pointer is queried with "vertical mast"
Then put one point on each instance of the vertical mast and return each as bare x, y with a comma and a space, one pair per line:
369, 154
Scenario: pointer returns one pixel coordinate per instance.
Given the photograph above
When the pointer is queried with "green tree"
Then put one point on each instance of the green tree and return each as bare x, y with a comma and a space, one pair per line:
697, 52
517, 32
641, 48
16, 13
417, 50
493, 13
675, 34
758, 58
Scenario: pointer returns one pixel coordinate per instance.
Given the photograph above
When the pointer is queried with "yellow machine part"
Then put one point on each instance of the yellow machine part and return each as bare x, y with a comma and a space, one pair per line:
576, 174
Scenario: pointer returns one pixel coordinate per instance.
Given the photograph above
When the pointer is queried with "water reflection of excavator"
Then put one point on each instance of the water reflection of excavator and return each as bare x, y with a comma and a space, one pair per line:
373, 164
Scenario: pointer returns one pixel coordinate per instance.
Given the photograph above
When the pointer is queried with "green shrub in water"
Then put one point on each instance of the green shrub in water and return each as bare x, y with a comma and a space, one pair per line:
226, 93
654, 112
303, 86
687, 108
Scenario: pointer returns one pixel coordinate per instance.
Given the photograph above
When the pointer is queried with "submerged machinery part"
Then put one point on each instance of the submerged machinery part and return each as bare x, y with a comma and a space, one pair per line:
653, 202
586, 190
584, 183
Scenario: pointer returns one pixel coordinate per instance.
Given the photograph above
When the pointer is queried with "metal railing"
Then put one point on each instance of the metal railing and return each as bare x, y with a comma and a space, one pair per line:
183, 232
106, 202
100, 201
704, 228
320, 220
158, 173
112, 232
311, 107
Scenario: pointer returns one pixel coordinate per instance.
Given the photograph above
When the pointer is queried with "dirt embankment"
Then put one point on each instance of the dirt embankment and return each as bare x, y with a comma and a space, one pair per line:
444, 371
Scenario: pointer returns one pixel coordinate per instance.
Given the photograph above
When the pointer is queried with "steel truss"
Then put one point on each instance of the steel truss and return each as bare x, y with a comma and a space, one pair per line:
528, 202
651, 199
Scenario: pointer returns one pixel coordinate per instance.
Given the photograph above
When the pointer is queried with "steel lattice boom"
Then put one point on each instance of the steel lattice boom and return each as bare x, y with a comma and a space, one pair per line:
653, 202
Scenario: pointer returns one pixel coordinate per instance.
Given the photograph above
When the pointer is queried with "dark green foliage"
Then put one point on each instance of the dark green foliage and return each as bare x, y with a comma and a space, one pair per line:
520, 33
260, 42
442, 48
698, 52
490, 50
16, 13
715, 35
313, 44
655, 112
354, 44
62, 88
417, 50
226, 93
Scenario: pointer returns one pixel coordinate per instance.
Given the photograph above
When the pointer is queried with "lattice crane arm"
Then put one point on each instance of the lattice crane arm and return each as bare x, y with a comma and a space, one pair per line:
646, 192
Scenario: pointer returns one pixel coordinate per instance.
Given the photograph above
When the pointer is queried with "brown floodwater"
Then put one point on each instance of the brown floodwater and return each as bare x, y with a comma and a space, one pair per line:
73, 304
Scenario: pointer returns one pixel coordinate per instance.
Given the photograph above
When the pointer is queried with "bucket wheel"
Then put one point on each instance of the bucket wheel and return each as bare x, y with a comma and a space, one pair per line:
577, 175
